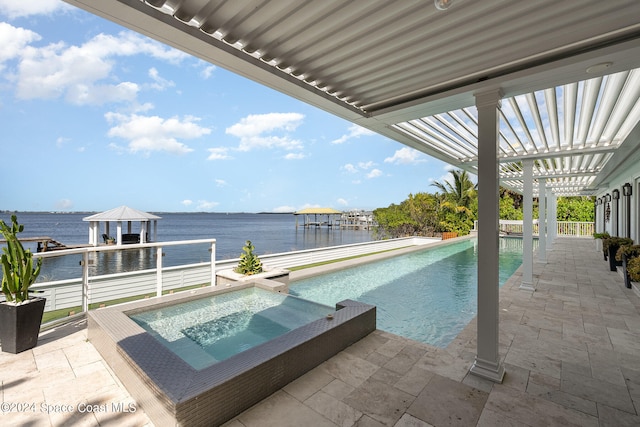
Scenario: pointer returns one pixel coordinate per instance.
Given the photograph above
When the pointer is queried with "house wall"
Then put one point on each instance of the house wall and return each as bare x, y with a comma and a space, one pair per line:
619, 214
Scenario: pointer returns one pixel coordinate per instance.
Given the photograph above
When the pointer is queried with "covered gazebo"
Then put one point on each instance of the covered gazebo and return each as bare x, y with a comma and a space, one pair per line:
329, 212
120, 215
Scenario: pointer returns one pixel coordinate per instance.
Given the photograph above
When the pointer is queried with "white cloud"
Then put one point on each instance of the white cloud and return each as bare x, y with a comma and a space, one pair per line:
308, 205
14, 40
83, 74
355, 131
366, 165
284, 209
406, 156
255, 131
221, 183
152, 133
294, 156
374, 173
219, 153
20, 8
207, 72
187, 202
205, 205
342, 202
64, 204
350, 168
159, 83
61, 141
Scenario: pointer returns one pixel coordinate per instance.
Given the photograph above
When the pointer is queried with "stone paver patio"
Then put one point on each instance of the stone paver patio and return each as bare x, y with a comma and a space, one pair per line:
571, 350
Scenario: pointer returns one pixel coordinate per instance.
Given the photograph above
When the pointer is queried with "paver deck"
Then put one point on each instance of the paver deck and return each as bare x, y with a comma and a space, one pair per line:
571, 350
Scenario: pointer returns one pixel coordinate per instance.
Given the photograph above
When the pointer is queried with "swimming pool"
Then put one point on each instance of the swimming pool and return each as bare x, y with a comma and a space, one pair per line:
174, 390
428, 296
207, 330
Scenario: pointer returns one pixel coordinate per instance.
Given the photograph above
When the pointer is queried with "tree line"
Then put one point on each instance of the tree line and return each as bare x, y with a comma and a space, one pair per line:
454, 208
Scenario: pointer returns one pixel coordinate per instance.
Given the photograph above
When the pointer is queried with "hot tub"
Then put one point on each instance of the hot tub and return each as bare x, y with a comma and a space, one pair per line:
184, 375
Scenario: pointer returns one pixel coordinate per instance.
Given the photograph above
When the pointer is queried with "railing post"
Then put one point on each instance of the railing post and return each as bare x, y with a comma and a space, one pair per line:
85, 281
213, 264
159, 271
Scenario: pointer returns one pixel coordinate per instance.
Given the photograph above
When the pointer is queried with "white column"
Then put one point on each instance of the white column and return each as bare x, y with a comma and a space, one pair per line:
527, 227
143, 231
119, 233
158, 271
213, 264
487, 363
542, 221
551, 218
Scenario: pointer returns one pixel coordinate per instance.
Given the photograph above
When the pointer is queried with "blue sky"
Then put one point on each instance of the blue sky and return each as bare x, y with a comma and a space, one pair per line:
95, 116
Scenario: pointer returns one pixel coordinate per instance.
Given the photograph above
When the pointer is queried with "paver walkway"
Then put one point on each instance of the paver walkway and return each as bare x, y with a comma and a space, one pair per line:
571, 350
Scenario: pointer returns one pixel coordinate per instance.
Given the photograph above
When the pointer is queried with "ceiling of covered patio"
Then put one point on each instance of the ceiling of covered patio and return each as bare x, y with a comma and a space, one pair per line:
568, 71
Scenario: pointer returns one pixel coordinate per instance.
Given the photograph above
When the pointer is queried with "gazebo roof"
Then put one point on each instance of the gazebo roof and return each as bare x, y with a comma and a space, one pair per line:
122, 213
318, 211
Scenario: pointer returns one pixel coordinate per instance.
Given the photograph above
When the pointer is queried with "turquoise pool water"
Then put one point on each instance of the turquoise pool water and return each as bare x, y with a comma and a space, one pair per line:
427, 296
207, 330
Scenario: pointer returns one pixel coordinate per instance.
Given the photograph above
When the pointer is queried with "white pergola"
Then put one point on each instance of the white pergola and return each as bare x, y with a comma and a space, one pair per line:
517, 92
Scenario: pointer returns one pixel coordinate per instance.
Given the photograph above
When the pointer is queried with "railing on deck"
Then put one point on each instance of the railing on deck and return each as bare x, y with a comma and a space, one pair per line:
88, 289
563, 228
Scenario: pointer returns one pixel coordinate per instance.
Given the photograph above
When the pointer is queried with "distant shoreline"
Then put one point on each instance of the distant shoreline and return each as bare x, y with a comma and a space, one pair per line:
155, 212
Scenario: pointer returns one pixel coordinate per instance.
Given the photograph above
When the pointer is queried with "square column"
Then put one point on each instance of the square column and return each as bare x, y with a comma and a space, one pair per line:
527, 227
487, 364
551, 218
542, 221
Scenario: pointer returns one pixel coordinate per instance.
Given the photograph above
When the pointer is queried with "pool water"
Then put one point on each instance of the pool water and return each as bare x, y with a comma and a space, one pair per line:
208, 330
427, 296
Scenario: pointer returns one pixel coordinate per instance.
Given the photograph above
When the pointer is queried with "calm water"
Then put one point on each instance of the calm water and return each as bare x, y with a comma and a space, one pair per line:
427, 296
208, 330
269, 233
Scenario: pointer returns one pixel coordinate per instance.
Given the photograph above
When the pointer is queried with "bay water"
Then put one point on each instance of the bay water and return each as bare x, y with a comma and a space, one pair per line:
269, 233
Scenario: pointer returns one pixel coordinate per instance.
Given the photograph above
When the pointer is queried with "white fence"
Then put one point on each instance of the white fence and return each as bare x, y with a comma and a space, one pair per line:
86, 290
563, 228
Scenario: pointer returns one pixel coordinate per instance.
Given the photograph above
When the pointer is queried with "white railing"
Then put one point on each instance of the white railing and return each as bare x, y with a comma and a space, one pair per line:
574, 229
87, 289
563, 228
313, 256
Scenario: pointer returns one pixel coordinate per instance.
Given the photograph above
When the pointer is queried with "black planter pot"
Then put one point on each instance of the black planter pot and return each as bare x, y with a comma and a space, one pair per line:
627, 279
20, 325
612, 257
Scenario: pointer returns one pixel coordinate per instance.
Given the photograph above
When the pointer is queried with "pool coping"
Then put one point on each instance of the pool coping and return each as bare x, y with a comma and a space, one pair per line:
173, 393
342, 265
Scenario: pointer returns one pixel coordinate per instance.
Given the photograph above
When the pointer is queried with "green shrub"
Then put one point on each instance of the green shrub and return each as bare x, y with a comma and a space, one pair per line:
629, 251
249, 262
633, 269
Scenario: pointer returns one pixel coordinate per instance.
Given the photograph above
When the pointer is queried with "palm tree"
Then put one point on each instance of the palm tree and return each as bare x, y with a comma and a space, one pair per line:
462, 191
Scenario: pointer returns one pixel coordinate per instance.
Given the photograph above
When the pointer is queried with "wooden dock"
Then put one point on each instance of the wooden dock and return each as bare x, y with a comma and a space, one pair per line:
46, 243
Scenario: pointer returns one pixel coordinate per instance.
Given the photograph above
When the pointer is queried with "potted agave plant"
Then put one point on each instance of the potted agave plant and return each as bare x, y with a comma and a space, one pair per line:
20, 314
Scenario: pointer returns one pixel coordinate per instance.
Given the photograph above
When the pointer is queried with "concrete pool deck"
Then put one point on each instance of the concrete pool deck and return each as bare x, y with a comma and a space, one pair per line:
571, 350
